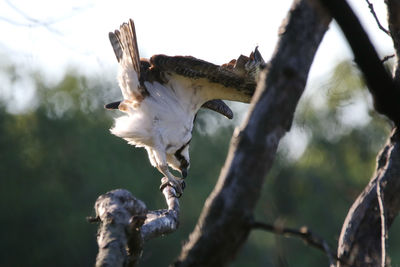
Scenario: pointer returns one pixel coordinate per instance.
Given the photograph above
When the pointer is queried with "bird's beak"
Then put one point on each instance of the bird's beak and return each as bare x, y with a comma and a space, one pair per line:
184, 172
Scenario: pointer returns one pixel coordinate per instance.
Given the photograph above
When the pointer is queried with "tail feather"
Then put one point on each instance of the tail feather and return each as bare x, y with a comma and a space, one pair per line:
116, 44
129, 44
124, 43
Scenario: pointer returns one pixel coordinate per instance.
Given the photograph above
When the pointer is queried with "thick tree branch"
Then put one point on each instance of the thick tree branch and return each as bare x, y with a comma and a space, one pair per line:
125, 224
380, 84
115, 209
361, 238
224, 223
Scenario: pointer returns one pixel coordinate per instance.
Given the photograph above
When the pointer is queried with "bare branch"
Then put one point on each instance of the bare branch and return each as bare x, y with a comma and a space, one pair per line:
223, 225
361, 237
379, 194
160, 222
304, 233
393, 10
114, 209
386, 58
371, 8
380, 83
34, 22
125, 224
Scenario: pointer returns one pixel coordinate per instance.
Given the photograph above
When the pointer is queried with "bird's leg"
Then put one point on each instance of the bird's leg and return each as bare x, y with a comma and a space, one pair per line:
177, 183
161, 165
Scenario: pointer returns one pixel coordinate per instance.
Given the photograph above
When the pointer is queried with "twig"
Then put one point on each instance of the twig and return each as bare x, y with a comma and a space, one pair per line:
304, 233
384, 91
379, 193
33, 22
386, 58
371, 8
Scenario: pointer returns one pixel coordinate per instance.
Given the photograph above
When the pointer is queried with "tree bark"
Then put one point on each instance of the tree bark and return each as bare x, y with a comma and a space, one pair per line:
360, 239
115, 210
125, 224
363, 238
225, 221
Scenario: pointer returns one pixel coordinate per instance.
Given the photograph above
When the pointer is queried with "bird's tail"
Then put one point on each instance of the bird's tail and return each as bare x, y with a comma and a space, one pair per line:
124, 44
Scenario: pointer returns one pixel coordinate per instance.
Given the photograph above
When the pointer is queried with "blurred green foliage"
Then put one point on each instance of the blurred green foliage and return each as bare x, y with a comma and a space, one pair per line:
57, 157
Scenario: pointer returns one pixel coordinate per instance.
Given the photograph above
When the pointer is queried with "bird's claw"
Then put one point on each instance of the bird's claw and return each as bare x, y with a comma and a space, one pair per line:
178, 185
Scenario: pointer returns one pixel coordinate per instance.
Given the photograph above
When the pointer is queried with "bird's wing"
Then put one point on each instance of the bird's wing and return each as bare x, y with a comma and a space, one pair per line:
234, 81
210, 83
125, 48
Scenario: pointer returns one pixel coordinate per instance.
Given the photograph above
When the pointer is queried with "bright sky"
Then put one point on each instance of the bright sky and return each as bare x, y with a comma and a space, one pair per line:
216, 31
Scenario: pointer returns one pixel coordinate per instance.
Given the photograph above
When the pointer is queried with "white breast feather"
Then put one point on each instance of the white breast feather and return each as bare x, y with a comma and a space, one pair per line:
163, 119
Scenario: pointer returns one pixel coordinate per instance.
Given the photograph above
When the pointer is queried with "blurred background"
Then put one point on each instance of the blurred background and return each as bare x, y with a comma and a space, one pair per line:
57, 70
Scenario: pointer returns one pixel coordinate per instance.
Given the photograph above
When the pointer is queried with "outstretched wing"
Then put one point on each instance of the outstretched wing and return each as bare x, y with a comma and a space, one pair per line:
125, 48
234, 81
209, 83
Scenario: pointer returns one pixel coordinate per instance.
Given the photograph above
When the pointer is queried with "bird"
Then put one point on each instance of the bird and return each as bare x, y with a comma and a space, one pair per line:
162, 95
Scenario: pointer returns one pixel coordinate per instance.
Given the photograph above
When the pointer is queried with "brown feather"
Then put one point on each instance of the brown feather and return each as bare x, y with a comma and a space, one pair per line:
194, 68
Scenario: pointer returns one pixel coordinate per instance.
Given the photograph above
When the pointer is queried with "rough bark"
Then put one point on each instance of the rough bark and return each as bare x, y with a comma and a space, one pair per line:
363, 237
226, 218
360, 239
125, 224
115, 210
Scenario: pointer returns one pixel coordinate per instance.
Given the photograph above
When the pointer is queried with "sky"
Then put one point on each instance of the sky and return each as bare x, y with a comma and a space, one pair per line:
56, 35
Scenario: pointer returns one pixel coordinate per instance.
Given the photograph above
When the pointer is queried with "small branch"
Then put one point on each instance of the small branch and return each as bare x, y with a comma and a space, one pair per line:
386, 58
160, 222
125, 224
371, 8
304, 233
380, 84
379, 193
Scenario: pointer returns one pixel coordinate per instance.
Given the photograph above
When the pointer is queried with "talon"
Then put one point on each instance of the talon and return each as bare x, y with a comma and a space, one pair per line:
183, 185
178, 189
177, 185
163, 185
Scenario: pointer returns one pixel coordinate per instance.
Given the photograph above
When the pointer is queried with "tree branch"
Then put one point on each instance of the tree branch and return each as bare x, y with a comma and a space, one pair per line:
371, 8
380, 196
125, 224
363, 237
224, 223
360, 242
384, 92
393, 8
304, 233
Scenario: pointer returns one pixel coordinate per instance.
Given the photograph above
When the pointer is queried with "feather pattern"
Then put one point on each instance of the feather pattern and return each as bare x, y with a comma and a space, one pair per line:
163, 95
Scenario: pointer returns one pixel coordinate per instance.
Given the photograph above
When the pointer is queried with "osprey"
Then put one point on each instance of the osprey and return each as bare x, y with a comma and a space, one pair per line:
162, 96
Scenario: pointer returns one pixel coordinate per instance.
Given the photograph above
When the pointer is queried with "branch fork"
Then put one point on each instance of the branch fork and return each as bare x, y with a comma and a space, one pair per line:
126, 223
